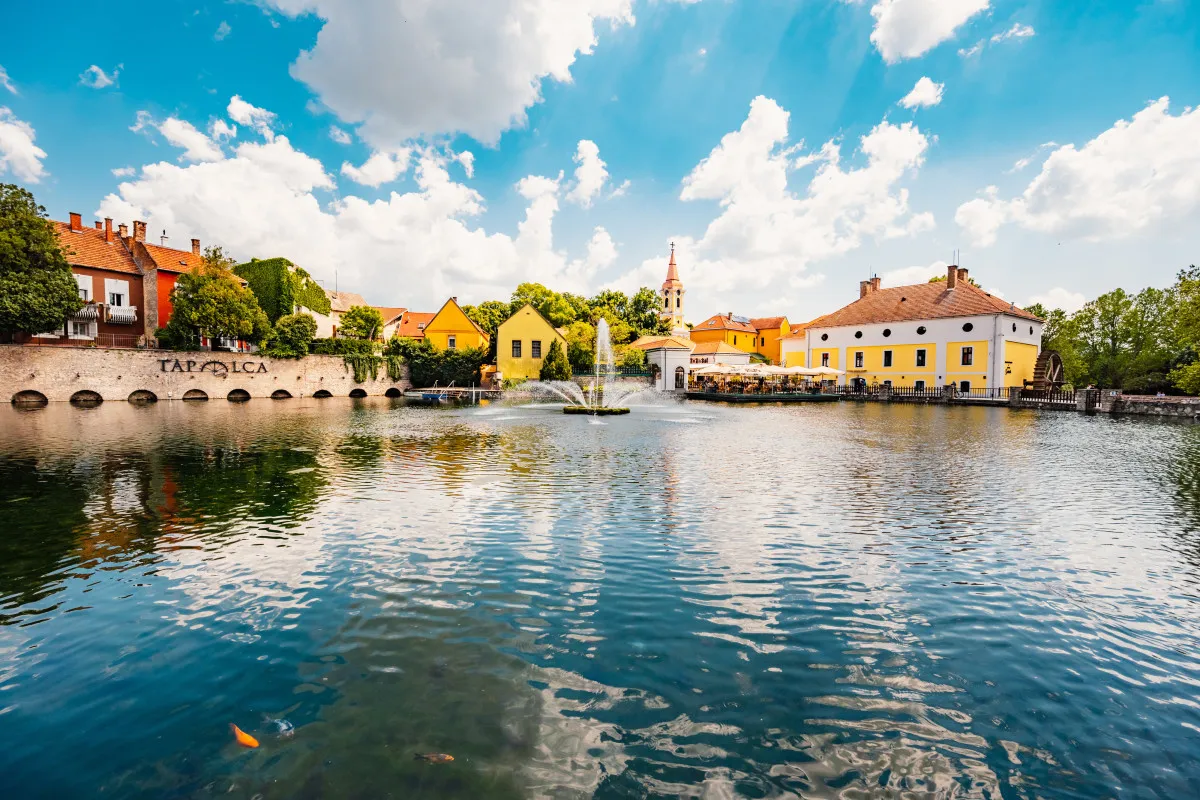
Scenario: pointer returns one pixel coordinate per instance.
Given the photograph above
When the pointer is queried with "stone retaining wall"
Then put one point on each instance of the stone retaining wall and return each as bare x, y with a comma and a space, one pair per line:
61, 373
1147, 405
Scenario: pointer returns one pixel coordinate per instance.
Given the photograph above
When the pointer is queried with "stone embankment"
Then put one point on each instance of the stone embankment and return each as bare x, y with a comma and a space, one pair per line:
92, 374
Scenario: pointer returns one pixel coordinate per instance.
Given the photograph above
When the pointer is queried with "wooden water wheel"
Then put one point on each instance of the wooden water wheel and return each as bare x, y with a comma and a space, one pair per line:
1048, 372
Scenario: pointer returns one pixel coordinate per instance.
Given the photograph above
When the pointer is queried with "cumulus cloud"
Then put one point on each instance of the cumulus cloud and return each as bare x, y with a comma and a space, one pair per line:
124, 172
412, 249
18, 154
910, 28
768, 232
1061, 298
339, 135
6, 82
223, 30
381, 167
907, 276
466, 66
259, 119
590, 175
1131, 176
1017, 31
467, 159
97, 78
221, 131
925, 94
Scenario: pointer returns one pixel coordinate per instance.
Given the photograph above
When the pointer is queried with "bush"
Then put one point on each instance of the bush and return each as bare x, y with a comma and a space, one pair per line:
428, 366
361, 322
176, 339
555, 366
342, 347
633, 358
291, 336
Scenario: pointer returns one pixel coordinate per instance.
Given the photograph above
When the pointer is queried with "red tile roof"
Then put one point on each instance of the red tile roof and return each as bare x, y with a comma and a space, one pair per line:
412, 326
716, 348
918, 302
87, 248
172, 260
801, 330
388, 313
766, 323
722, 322
344, 301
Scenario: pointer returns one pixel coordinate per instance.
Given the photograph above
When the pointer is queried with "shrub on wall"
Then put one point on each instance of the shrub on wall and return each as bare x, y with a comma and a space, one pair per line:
428, 366
291, 336
342, 347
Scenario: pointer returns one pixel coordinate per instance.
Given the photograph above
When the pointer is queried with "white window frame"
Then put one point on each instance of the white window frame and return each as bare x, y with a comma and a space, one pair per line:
116, 286
535, 348
451, 342
516, 348
967, 357
824, 359
921, 357
88, 327
860, 358
84, 282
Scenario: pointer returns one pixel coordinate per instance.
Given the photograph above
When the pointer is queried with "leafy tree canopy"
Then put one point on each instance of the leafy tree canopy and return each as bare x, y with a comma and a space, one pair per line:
361, 322
292, 336
281, 287
37, 290
555, 366
211, 301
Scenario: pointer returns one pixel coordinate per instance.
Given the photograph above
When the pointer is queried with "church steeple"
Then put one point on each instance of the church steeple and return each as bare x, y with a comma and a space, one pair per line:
672, 294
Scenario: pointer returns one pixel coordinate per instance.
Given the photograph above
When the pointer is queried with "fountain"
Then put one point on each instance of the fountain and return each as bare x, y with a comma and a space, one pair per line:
603, 397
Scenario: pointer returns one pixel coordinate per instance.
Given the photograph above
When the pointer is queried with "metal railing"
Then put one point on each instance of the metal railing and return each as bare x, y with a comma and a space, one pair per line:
1050, 396
121, 315
117, 340
994, 393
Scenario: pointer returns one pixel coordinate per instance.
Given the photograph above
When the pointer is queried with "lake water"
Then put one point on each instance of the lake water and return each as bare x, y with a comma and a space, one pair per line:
692, 601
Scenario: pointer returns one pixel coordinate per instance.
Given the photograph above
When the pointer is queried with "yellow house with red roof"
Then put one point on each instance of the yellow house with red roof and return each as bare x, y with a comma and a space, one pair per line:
734, 331
770, 331
452, 329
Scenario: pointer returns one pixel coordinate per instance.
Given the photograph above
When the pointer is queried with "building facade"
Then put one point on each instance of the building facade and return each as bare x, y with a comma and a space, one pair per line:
452, 329
672, 294
733, 331
924, 336
522, 342
771, 331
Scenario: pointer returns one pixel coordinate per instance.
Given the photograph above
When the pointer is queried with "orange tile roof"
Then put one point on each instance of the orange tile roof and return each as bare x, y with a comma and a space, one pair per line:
653, 342
724, 322
919, 302
765, 323
172, 260
412, 325
87, 248
716, 348
389, 313
800, 330
344, 301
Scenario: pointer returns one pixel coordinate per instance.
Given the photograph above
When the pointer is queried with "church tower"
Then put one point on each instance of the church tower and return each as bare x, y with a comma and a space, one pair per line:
672, 294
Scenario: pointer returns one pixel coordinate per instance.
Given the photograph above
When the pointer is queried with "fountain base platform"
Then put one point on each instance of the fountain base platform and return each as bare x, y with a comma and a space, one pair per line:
595, 412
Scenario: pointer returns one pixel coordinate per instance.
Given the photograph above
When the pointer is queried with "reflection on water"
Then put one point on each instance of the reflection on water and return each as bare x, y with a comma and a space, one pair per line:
848, 601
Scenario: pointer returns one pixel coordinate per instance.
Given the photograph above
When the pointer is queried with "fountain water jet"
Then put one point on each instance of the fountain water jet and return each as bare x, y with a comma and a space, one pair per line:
603, 396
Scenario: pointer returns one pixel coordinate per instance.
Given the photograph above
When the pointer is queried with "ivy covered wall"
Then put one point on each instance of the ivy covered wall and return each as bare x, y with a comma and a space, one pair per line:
280, 286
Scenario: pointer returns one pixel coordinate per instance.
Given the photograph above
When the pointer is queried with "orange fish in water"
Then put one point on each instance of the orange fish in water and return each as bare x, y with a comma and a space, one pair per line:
434, 758
243, 738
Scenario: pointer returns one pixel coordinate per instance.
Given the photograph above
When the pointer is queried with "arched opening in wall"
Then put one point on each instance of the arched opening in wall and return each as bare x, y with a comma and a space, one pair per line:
680, 378
393, 393
143, 397
281, 394
195, 394
86, 398
321, 394
238, 396
29, 399
358, 392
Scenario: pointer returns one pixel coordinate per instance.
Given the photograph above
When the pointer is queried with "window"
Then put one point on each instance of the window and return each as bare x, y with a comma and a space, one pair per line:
888, 385
887, 358
81, 330
968, 327
116, 299
918, 386
964, 387
85, 294
680, 378
921, 357
117, 291
887, 332
824, 359
968, 356
516, 348
452, 343
858, 359
666, 301
84, 282
679, 298
920, 330
858, 334
535, 348
824, 337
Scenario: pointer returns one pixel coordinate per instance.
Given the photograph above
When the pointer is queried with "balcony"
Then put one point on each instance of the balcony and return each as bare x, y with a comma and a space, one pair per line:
89, 313
121, 315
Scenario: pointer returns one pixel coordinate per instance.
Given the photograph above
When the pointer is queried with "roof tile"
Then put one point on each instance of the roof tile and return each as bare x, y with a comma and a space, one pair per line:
87, 248
919, 302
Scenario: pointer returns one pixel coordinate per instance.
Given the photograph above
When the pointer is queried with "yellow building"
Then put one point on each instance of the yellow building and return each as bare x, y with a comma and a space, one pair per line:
734, 331
770, 331
924, 336
522, 343
452, 329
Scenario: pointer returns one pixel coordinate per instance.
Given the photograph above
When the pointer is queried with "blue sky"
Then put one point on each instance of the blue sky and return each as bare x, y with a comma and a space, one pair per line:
767, 137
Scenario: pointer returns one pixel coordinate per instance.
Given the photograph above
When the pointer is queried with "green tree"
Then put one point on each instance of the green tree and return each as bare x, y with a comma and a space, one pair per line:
37, 290
555, 366
643, 313
942, 278
612, 300
281, 287
292, 336
557, 308
361, 322
581, 347
211, 301
632, 358
489, 315
1125, 341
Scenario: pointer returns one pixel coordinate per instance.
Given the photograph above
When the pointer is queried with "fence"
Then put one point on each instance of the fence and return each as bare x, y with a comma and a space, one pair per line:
1050, 397
118, 340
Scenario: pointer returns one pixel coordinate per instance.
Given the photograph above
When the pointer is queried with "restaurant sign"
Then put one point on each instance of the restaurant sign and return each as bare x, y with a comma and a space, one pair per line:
214, 367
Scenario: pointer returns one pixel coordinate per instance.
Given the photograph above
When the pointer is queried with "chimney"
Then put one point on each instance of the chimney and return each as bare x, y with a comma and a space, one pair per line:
962, 274
196, 246
454, 300
864, 289
76, 222
139, 231
108, 237
875, 283
951, 276
97, 224
123, 230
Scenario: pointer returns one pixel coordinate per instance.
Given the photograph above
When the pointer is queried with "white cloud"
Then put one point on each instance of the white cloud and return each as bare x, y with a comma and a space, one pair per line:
911, 28
6, 82
254, 117
97, 78
1059, 297
621, 190
1025, 161
467, 159
124, 172
1017, 31
973, 50
380, 168
1128, 178
223, 30
456, 65
339, 135
925, 94
590, 175
18, 154
412, 249
908, 276
221, 131
196, 146
767, 234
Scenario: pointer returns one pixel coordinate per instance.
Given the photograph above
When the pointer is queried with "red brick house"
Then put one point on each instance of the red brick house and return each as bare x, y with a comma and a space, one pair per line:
161, 266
